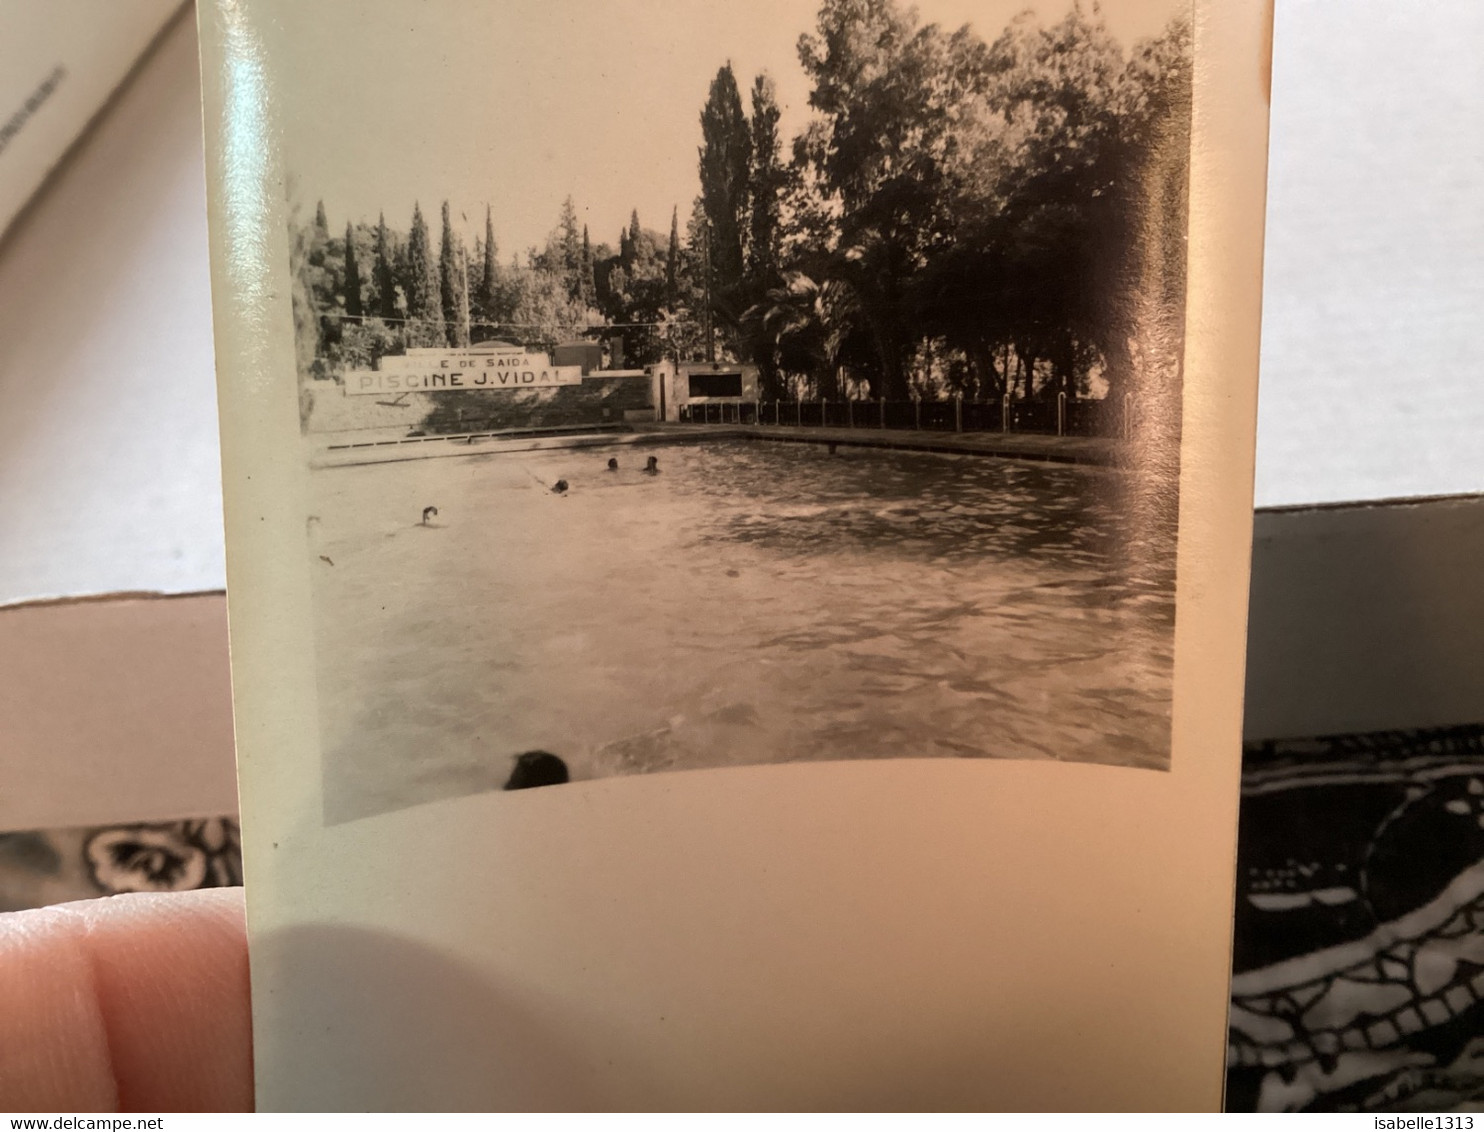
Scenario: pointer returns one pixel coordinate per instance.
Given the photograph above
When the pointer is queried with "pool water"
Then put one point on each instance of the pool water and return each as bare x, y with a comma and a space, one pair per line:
754, 602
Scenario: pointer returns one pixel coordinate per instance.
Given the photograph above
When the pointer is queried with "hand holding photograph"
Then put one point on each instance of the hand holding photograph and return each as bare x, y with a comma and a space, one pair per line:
815, 436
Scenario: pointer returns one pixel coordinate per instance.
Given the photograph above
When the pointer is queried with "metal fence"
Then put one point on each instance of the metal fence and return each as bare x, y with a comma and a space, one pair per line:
1063, 416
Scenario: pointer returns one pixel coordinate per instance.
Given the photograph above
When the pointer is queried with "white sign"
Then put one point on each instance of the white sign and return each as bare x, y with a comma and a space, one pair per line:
432, 370
429, 361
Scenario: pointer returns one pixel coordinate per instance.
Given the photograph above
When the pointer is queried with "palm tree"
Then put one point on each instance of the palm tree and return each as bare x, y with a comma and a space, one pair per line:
811, 325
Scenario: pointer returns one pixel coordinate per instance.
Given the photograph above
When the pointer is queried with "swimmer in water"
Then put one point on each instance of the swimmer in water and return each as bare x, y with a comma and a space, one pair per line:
652, 467
612, 464
428, 514
536, 768
560, 487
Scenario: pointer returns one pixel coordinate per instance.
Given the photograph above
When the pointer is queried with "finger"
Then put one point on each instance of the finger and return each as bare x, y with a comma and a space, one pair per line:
130, 1003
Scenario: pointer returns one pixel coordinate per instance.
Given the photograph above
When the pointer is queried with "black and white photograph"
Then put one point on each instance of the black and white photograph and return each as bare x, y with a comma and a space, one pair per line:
788, 382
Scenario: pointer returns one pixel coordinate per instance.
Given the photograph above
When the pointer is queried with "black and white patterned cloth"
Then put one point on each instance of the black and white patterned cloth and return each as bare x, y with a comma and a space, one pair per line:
43, 867
1358, 967
1358, 971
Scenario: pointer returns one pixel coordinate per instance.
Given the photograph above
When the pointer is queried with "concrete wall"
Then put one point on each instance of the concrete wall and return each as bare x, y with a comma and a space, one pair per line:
675, 380
607, 397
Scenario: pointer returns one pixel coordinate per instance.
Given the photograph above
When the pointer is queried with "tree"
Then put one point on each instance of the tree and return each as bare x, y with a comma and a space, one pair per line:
570, 264
765, 185
352, 275
421, 285
625, 250
321, 222
725, 159
766, 179
697, 277
1142, 261
814, 326
1062, 205
880, 84
633, 293
453, 285
588, 284
305, 304
382, 274
489, 275
672, 260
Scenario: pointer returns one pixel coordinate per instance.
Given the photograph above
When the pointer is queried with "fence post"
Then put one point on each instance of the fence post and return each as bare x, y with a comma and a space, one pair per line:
883, 410
958, 413
799, 413
917, 412
1061, 413
824, 412
850, 412
778, 411
1005, 413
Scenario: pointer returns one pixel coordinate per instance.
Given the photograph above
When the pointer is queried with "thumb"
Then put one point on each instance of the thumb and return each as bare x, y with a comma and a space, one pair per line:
128, 1003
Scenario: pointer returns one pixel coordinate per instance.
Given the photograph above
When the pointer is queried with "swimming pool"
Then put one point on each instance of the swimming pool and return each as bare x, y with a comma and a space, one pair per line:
754, 602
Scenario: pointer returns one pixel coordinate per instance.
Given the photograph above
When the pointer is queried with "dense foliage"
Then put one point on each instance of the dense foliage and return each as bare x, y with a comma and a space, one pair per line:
958, 216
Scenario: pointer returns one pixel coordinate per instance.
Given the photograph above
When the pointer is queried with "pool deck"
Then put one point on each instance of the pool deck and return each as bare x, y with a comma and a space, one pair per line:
394, 446
1007, 445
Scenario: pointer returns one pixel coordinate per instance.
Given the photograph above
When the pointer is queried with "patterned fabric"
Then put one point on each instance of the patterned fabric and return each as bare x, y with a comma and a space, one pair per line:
1359, 947
1358, 975
51, 866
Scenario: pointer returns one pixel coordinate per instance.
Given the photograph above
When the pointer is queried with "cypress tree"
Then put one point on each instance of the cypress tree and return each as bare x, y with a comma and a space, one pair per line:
382, 274
352, 275
589, 284
725, 160
452, 286
464, 292
634, 232
321, 222
489, 282
765, 184
421, 284
672, 259
571, 249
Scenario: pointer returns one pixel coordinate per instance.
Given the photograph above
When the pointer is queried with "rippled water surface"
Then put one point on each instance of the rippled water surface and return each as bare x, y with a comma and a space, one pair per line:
754, 602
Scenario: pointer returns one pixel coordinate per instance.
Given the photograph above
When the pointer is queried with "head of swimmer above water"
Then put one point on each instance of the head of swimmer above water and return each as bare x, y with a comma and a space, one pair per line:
537, 768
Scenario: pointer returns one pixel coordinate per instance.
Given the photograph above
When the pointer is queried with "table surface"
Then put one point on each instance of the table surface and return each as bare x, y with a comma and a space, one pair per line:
1371, 383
